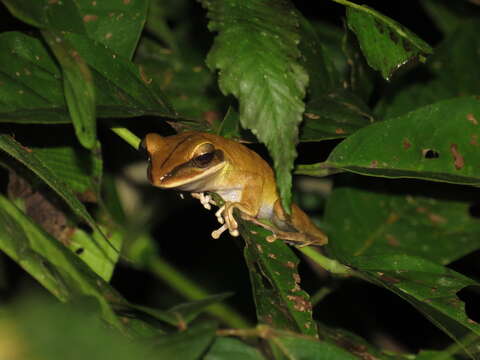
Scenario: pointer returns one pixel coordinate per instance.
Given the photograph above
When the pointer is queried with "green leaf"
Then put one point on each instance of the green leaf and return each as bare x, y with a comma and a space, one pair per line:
402, 217
80, 169
32, 87
53, 265
430, 287
334, 115
47, 330
187, 82
397, 239
438, 142
294, 347
189, 344
32, 162
182, 314
386, 44
99, 255
257, 56
279, 299
354, 344
232, 349
115, 24
444, 76
78, 86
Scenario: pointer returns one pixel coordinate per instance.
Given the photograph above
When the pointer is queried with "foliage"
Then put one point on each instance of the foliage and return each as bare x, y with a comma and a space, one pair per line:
388, 127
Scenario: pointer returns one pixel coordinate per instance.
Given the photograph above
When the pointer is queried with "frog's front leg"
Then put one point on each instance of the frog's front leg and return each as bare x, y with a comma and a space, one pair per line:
205, 200
249, 204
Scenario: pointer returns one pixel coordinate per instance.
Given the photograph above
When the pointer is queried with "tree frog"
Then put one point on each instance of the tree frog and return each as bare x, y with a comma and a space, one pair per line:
203, 163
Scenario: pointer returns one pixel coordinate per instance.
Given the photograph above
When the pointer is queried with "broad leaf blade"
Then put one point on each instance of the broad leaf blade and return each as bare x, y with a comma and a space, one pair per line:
399, 240
439, 142
280, 301
185, 345
443, 77
256, 54
408, 217
334, 115
53, 265
32, 162
32, 90
232, 349
386, 44
116, 24
78, 87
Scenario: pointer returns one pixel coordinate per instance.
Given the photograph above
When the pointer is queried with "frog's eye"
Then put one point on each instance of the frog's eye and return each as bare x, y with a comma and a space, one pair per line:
204, 160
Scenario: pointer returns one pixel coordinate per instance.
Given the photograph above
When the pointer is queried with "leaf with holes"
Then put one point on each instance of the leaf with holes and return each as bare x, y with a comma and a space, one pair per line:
439, 142
279, 299
256, 54
386, 44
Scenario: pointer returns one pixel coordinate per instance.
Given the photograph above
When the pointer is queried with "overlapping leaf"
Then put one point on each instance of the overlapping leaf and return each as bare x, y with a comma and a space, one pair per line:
386, 44
398, 239
256, 54
279, 299
116, 24
439, 142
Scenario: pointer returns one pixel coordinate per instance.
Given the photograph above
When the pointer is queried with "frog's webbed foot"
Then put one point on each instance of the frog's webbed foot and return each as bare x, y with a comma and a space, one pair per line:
298, 239
225, 217
205, 200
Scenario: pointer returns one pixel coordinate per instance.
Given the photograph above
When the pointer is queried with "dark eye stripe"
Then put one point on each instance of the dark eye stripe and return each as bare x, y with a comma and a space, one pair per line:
204, 159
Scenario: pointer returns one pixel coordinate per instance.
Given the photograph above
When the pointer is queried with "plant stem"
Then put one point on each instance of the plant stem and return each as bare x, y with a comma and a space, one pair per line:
179, 282
127, 135
328, 264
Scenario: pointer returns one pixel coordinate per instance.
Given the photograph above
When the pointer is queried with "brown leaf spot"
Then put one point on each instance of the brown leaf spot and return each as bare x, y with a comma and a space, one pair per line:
299, 303
259, 248
290, 264
474, 140
406, 144
392, 218
472, 321
272, 256
472, 119
312, 116
340, 131
126, 2
374, 164
437, 219
89, 17
392, 240
457, 157
296, 278
421, 210
144, 77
